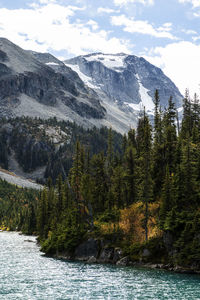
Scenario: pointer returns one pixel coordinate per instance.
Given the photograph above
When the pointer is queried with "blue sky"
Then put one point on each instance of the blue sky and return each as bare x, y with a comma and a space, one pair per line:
165, 32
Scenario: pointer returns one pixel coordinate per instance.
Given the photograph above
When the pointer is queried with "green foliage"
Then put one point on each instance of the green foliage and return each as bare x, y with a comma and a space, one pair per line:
63, 240
49, 143
160, 169
157, 167
109, 216
17, 208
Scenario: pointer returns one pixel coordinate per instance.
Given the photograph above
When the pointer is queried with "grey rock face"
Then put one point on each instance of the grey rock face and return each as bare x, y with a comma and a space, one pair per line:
96, 89
94, 251
26, 73
60, 67
3, 56
126, 78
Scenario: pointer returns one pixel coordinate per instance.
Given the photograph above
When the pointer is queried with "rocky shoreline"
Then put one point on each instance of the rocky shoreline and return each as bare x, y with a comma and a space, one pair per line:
98, 251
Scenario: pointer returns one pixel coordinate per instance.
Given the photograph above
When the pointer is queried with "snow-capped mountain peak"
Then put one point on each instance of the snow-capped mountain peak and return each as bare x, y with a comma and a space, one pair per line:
125, 84
127, 80
111, 61
95, 89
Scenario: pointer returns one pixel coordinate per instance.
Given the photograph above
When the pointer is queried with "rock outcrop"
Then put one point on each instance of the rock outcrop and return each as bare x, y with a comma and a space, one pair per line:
88, 250
96, 251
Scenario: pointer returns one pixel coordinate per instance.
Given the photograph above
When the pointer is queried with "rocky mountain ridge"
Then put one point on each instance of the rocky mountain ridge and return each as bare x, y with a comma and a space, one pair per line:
96, 89
31, 88
126, 79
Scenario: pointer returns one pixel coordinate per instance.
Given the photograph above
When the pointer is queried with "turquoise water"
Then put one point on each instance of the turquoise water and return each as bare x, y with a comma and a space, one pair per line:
26, 274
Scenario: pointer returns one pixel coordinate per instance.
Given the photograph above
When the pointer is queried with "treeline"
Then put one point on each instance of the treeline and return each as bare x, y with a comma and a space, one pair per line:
147, 194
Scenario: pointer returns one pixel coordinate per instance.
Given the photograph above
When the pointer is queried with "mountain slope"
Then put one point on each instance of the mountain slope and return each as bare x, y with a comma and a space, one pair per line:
30, 87
124, 83
16, 180
96, 89
127, 80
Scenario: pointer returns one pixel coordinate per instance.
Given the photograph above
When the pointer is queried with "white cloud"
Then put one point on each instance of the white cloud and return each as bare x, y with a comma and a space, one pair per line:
196, 14
125, 2
47, 1
93, 24
195, 38
166, 27
189, 31
181, 62
48, 27
195, 3
143, 27
106, 10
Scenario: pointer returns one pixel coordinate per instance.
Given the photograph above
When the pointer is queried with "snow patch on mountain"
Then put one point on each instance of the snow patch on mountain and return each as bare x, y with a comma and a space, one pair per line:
135, 106
147, 101
52, 64
111, 61
86, 79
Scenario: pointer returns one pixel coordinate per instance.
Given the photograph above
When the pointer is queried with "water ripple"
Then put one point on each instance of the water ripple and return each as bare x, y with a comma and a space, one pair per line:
26, 274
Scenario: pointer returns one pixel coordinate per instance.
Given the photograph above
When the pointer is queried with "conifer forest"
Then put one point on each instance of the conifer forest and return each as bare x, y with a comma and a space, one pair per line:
143, 192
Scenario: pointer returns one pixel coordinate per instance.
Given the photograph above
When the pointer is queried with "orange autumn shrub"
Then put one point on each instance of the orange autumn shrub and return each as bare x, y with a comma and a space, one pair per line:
132, 225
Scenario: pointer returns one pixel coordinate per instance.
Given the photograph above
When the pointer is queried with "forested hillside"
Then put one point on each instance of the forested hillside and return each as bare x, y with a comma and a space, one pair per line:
37, 149
144, 200
146, 197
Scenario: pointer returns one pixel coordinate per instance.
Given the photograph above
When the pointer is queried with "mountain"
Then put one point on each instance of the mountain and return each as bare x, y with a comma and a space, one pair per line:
126, 82
96, 89
32, 88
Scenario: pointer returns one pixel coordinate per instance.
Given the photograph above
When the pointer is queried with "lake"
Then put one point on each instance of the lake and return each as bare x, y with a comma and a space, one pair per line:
25, 273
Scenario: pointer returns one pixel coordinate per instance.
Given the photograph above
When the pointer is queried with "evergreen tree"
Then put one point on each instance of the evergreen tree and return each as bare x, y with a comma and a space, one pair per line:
42, 220
158, 167
170, 138
118, 186
186, 127
168, 197
99, 183
76, 172
130, 175
145, 149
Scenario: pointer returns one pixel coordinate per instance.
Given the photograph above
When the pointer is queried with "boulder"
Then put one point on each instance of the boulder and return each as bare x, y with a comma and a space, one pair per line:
92, 260
117, 255
106, 255
123, 261
146, 253
87, 249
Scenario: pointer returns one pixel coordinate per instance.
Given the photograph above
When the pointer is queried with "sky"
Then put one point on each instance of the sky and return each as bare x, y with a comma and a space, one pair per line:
165, 32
